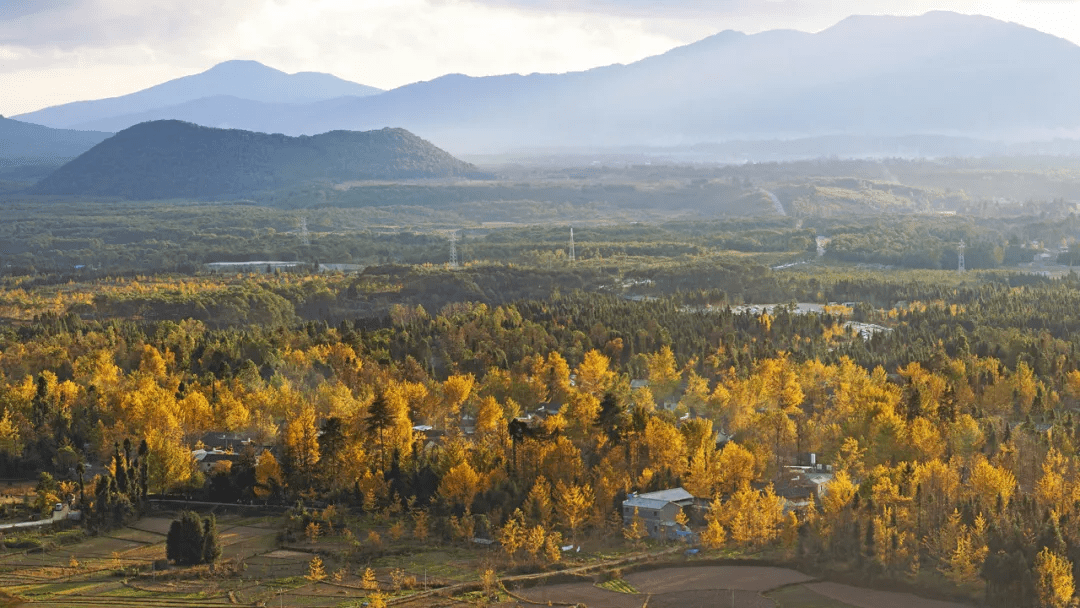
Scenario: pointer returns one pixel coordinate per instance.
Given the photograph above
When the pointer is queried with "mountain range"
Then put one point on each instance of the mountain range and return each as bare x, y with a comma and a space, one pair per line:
174, 159
214, 91
22, 143
941, 74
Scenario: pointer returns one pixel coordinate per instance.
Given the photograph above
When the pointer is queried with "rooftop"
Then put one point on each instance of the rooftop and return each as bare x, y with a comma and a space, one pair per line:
645, 503
657, 500
672, 495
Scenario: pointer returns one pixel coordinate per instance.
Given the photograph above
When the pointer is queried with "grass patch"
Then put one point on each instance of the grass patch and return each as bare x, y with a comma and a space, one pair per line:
449, 563
49, 589
129, 592
289, 582
798, 596
480, 597
618, 585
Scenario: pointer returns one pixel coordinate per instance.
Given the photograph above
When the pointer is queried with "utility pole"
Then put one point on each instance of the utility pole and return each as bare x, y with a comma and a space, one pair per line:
573, 254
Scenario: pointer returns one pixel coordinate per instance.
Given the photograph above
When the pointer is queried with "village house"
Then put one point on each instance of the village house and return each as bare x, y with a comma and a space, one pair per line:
657, 510
800, 484
210, 461
226, 442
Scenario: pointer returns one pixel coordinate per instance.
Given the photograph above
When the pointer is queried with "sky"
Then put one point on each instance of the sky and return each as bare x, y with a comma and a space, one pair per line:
57, 51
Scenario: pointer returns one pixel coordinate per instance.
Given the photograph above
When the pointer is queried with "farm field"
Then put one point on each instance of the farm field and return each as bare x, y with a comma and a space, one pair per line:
726, 586
869, 598
118, 569
708, 578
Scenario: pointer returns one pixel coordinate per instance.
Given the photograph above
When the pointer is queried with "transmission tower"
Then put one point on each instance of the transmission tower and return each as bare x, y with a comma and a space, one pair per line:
573, 255
304, 240
453, 250
960, 256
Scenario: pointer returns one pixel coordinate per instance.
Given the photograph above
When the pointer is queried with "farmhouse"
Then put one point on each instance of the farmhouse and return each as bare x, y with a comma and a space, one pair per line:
658, 510
800, 484
211, 460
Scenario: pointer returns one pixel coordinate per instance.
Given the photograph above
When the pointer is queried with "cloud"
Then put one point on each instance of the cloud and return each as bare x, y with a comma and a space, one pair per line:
13, 10
71, 24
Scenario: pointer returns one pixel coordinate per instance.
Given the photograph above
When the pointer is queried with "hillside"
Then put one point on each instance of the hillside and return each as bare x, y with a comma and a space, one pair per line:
246, 80
173, 159
871, 77
22, 143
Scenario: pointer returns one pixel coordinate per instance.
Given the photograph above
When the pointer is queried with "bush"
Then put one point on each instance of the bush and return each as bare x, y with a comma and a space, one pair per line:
193, 540
211, 551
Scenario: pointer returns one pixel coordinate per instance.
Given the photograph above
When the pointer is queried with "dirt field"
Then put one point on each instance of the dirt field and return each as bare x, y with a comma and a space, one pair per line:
710, 578
728, 587
798, 596
584, 593
720, 598
703, 586
868, 598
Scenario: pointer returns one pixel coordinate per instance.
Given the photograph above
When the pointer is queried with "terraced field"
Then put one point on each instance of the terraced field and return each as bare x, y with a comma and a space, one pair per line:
725, 587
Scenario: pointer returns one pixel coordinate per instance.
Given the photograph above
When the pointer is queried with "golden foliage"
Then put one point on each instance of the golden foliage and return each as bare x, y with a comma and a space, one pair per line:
316, 571
1053, 579
574, 504
459, 485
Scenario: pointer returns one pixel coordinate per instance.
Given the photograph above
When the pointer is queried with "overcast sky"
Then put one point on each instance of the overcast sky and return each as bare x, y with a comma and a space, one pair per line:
55, 51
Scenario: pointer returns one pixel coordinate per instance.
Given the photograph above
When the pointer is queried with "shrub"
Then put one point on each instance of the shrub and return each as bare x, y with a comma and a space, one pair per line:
193, 540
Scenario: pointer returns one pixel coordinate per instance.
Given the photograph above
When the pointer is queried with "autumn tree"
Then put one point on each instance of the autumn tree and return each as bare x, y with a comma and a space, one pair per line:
594, 375
302, 444
459, 485
456, 391
664, 373
513, 534
267, 475
316, 570
574, 504
1053, 579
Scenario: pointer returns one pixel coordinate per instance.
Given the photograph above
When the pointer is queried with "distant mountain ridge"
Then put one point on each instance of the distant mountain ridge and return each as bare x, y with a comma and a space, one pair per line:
217, 111
173, 159
22, 143
878, 77
246, 80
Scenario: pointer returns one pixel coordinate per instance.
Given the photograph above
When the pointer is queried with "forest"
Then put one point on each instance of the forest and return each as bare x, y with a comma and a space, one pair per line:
951, 432
522, 395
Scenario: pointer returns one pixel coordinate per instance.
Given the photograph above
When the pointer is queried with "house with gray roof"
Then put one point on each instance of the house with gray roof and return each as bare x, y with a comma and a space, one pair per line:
657, 510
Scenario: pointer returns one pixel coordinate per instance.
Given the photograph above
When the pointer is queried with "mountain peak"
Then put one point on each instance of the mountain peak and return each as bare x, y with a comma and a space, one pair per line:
240, 78
241, 65
927, 22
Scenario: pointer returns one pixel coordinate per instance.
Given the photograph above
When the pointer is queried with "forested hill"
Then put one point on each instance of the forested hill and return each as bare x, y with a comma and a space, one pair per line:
22, 143
173, 159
